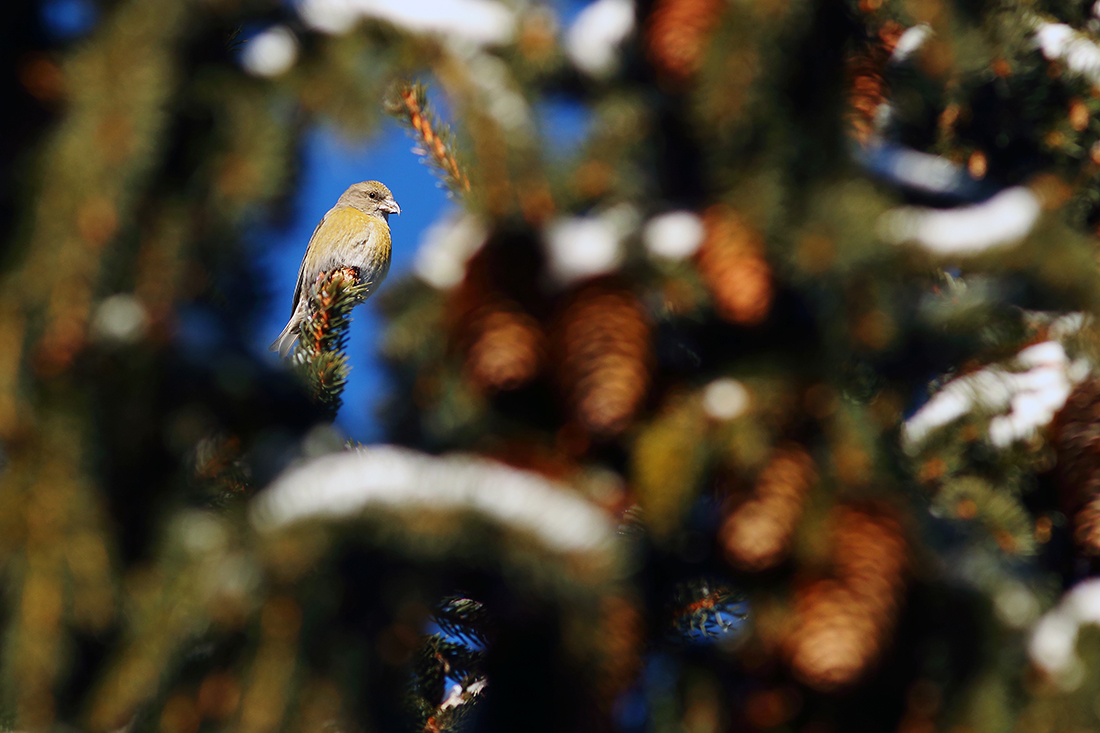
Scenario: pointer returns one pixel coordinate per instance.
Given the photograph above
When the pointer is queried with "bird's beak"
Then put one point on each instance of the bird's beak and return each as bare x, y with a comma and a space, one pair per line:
390, 206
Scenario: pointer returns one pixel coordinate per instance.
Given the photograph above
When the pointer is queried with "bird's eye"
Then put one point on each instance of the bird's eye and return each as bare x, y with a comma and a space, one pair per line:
373, 195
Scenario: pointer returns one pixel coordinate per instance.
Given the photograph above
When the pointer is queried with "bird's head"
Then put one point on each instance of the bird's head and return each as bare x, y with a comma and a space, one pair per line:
371, 197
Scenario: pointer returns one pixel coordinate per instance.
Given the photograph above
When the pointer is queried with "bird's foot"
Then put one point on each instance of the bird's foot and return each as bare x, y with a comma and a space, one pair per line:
351, 273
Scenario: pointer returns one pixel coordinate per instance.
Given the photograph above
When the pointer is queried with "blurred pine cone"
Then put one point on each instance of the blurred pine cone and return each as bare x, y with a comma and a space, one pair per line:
835, 639
503, 347
1077, 445
602, 341
678, 34
733, 267
1086, 527
757, 534
622, 636
871, 556
867, 89
843, 623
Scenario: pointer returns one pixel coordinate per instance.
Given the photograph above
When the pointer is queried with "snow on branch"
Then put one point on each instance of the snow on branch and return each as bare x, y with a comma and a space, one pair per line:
343, 485
593, 40
1054, 638
909, 42
482, 22
446, 246
1004, 219
1060, 42
1025, 400
921, 172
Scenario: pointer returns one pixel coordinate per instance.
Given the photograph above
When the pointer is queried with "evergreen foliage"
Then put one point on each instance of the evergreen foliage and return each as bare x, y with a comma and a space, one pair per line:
435, 145
771, 404
323, 335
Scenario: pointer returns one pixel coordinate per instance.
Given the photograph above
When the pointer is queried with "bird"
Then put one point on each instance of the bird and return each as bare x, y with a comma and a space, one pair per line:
355, 233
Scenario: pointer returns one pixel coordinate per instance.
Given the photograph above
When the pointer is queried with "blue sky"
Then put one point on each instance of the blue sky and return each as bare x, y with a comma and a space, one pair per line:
330, 164
68, 19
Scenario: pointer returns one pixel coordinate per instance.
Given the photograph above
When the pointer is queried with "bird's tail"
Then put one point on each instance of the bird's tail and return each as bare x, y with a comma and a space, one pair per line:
287, 337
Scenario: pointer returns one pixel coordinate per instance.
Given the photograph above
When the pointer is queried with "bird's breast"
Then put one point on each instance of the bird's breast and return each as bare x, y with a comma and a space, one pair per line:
348, 237
371, 251
374, 267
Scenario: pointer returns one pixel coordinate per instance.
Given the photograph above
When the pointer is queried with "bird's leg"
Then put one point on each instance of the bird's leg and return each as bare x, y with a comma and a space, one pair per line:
346, 273
351, 273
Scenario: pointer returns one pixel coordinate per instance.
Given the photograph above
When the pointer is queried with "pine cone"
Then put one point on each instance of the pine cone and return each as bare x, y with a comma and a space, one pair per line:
678, 34
1077, 442
622, 639
733, 267
866, 87
1077, 445
843, 623
502, 345
871, 556
602, 339
757, 534
505, 348
1086, 527
835, 638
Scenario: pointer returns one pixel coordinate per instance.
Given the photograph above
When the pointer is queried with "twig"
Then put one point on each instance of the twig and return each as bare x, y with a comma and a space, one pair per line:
323, 335
409, 103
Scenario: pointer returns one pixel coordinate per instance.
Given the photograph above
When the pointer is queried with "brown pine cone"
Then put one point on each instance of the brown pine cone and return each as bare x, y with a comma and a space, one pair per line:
678, 34
871, 556
602, 340
622, 639
835, 638
1086, 527
732, 264
843, 623
757, 534
867, 89
505, 346
1077, 446
502, 346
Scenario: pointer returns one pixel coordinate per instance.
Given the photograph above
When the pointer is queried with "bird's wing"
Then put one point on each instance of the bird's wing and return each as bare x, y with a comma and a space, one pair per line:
338, 228
302, 267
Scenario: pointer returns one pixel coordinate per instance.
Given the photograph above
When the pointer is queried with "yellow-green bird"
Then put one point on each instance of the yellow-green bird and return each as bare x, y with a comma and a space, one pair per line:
354, 233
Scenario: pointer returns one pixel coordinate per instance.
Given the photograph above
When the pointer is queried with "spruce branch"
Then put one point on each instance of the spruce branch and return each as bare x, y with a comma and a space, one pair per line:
453, 711
440, 660
456, 654
323, 335
704, 608
409, 104
464, 619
